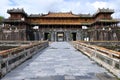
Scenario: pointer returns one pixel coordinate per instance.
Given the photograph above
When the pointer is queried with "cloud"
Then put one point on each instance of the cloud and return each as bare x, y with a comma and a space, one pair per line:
44, 6
99, 4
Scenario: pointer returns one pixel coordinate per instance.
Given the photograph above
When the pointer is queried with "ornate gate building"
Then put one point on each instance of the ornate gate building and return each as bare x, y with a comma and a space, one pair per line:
60, 26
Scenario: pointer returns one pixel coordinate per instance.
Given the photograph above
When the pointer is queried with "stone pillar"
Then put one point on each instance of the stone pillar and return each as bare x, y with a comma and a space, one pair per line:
55, 36
35, 36
68, 34
65, 36
52, 36
82, 34
38, 38
42, 35
39, 34
78, 35
95, 35
23, 35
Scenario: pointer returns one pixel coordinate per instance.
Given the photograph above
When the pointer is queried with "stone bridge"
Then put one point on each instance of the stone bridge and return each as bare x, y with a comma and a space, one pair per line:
19, 52
58, 61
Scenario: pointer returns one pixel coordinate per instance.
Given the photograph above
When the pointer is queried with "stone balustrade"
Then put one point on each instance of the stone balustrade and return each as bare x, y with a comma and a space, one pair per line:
11, 58
16, 43
109, 59
103, 43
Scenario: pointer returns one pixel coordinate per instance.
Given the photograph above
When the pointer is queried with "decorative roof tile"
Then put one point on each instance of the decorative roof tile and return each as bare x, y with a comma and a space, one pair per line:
16, 11
60, 14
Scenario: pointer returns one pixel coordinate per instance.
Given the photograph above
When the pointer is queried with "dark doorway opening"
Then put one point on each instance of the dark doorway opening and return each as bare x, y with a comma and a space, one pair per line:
60, 36
30, 35
74, 36
47, 36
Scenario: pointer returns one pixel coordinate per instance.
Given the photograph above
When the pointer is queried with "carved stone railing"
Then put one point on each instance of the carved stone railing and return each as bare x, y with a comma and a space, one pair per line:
11, 58
16, 43
109, 59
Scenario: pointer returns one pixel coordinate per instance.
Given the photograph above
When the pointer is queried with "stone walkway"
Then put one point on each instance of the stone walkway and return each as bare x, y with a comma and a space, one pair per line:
60, 61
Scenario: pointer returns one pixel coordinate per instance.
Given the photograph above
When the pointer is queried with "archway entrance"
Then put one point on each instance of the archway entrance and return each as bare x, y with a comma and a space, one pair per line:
47, 36
74, 36
60, 36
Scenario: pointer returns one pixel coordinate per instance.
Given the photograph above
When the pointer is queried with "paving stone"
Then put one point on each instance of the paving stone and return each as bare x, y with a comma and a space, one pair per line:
59, 61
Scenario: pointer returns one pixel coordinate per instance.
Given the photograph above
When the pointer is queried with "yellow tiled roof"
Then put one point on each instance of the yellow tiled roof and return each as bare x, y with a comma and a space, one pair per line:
60, 14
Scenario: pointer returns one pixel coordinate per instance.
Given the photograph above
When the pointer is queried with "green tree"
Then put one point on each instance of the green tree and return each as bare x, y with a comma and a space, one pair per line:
1, 18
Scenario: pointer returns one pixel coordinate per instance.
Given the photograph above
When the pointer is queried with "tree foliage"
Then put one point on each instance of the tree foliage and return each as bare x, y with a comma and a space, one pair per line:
1, 18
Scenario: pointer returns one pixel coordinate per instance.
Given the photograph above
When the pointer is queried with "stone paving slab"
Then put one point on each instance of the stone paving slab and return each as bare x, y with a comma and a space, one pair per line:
60, 61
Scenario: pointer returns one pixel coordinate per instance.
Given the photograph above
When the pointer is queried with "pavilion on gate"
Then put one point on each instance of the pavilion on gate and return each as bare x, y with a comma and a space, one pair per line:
60, 26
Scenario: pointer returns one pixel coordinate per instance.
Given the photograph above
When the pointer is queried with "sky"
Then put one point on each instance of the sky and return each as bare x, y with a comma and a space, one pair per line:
44, 6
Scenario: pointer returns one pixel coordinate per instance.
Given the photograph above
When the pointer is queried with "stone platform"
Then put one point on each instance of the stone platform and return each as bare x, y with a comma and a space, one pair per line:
60, 61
